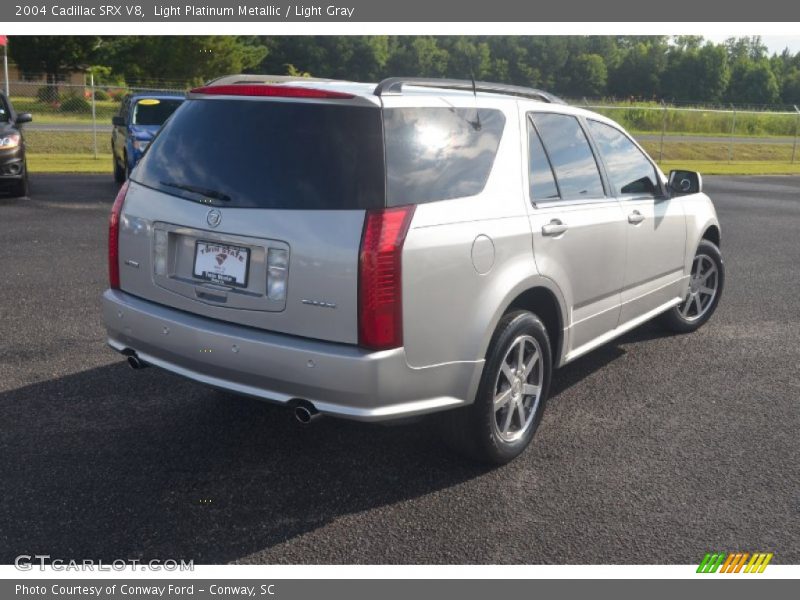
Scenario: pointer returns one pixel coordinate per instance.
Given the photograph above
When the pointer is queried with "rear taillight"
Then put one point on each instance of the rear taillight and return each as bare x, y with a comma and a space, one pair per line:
380, 295
113, 237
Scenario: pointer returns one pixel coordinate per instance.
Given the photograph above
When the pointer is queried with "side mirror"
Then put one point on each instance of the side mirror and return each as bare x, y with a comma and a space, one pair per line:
118, 121
24, 118
685, 182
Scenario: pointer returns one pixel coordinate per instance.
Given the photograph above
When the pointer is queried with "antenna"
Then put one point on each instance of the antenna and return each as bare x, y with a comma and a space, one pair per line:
477, 123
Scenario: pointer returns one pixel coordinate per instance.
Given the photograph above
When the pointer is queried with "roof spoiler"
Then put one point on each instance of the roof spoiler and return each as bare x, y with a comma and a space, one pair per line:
253, 78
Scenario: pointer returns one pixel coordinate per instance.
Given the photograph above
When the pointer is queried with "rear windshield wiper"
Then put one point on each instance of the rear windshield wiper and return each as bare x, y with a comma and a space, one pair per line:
209, 193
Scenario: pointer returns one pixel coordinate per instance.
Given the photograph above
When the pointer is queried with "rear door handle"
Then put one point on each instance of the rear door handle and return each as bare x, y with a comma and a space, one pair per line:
635, 217
554, 227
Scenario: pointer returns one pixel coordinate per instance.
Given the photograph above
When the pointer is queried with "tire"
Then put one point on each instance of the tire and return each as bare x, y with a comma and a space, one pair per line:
21, 188
489, 434
705, 290
119, 172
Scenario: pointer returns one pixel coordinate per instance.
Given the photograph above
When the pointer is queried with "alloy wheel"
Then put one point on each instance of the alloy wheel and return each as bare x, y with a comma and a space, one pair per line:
518, 389
703, 286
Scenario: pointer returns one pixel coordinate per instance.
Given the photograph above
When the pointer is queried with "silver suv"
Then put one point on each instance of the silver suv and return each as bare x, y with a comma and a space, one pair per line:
382, 252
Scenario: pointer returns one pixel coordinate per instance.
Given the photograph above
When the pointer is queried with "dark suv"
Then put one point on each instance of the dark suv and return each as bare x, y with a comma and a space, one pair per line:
13, 168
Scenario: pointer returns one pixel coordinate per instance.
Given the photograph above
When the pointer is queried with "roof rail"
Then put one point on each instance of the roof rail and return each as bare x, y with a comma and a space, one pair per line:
394, 85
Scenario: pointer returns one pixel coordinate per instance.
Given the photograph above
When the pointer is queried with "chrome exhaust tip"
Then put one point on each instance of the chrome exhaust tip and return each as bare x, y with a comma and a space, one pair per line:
135, 363
305, 413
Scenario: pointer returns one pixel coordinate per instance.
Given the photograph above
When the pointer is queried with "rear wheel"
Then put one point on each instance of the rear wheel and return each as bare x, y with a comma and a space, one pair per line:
705, 289
510, 401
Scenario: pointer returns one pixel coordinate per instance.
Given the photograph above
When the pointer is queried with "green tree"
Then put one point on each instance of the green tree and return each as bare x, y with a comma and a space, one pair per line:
688, 42
588, 76
746, 48
753, 83
466, 57
179, 59
696, 74
345, 57
52, 55
790, 94
419, 56
640, 71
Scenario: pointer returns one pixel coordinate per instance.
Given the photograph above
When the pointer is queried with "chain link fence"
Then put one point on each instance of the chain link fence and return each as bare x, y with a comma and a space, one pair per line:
74, 119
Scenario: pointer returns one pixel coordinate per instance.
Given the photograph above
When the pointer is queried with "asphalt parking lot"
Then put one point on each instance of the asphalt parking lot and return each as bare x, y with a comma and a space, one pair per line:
654, 449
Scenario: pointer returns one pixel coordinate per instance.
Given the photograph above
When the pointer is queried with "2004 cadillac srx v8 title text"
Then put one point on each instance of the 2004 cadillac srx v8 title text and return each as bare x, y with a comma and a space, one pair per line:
419, 246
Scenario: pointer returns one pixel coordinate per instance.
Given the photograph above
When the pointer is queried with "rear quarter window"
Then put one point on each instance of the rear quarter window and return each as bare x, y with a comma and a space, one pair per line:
439, 153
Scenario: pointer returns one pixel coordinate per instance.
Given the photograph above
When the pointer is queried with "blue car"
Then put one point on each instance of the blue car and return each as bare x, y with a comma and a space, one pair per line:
139, 119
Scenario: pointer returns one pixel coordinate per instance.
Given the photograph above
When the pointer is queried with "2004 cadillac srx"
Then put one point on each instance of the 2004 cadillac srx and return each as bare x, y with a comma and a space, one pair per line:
383, 251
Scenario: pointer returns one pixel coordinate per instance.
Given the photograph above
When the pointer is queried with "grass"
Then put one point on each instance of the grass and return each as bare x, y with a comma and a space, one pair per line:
641, 119
707, 167
85, 163
66, 142
56, 118
720, 151
69, 163
680, 134
47, 113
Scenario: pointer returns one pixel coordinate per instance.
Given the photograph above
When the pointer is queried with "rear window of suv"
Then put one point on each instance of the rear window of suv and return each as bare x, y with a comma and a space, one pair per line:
295, 155
269, 154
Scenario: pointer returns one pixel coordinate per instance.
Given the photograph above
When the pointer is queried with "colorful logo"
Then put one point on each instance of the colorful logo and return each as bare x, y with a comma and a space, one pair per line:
734, 562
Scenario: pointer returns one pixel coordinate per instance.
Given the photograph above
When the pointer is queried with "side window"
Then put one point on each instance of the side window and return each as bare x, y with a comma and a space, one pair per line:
572, 158
628, 168
540, 173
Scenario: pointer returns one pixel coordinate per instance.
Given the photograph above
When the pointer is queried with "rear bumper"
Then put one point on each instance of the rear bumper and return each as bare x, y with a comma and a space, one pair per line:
338, 379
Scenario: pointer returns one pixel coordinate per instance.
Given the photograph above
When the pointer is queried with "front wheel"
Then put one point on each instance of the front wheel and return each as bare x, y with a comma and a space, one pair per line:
21, 188
119, 171
511, 396
705, 289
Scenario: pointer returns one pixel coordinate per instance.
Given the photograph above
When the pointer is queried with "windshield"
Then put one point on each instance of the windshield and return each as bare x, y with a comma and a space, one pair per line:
5, 113
269, 154
153, 111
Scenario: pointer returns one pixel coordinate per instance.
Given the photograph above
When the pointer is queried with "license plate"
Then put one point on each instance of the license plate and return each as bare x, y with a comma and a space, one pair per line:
221, 263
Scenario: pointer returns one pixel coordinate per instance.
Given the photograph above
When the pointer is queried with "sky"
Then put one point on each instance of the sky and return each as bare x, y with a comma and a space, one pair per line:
775, 43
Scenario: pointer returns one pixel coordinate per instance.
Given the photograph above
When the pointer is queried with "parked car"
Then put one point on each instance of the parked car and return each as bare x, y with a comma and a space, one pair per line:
13, 166
139, 119
419, 246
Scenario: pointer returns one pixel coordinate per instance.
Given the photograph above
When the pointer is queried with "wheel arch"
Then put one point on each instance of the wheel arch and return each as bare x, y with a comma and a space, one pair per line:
543, 298
713, 235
